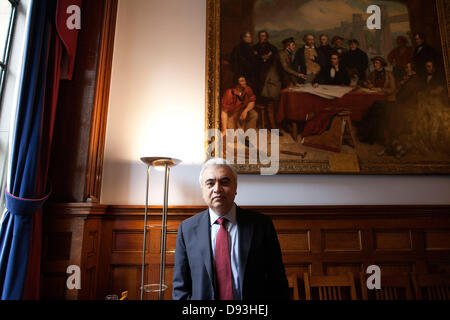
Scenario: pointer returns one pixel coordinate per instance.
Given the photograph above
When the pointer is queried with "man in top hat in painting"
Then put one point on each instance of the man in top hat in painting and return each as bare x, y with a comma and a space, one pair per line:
338, 45
355, 60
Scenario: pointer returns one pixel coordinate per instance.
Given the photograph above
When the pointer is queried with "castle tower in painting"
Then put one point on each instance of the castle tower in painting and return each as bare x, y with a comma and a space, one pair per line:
358, 27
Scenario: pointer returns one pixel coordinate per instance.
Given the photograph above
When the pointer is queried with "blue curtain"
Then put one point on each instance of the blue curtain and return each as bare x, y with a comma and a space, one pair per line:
21, 200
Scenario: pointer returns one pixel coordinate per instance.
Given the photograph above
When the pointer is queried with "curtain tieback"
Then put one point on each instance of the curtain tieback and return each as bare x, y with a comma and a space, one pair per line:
22, 206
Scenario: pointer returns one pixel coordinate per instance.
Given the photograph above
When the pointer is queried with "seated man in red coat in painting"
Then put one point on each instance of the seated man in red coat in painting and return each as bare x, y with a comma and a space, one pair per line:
238, 105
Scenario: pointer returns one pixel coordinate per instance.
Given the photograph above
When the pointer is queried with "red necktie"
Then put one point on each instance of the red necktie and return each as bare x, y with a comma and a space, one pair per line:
223, 263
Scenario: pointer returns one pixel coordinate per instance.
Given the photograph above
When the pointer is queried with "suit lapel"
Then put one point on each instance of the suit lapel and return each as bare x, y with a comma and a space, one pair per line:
204, 241
245, 241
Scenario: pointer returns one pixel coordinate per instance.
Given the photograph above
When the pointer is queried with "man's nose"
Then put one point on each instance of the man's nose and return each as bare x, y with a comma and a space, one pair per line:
217, 187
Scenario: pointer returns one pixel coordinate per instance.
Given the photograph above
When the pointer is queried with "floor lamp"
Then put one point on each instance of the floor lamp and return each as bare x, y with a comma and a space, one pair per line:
166, 163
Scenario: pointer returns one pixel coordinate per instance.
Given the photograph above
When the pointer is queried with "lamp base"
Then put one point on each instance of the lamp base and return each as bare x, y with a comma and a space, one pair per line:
150, 288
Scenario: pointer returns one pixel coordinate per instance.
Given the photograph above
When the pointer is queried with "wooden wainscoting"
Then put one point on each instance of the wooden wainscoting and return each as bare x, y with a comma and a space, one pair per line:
122, 241
327, 240
72, 236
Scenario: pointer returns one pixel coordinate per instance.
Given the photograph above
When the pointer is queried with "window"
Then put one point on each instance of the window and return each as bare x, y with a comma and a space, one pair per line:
11, 48
7, 19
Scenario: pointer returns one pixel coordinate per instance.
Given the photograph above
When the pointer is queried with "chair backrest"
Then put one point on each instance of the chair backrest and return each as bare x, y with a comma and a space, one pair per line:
431, 286
293, 286
340, 287
393, 287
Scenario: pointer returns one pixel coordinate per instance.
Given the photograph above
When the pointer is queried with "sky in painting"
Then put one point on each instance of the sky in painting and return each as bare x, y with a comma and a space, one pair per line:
277, 15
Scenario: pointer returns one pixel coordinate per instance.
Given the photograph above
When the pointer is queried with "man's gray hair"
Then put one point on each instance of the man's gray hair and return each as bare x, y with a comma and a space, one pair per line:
217, 162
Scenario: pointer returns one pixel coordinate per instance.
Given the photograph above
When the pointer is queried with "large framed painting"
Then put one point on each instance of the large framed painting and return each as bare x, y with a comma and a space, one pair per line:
321, 86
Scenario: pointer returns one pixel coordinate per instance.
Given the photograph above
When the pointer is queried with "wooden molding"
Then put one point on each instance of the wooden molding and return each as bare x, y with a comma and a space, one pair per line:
100, 111
75, 209
322, 211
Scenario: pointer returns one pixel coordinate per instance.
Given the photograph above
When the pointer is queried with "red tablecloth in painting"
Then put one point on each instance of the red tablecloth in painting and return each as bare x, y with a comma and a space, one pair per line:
296, 105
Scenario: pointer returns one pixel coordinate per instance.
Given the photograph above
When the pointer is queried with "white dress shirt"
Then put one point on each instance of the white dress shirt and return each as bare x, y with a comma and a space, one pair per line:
233, 242
333, 72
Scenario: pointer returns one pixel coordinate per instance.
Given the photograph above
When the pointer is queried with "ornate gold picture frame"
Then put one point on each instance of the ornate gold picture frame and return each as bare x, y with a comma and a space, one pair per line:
426, 149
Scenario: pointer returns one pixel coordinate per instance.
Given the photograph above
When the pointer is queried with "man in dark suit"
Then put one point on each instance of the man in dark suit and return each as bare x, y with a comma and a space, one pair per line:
225, 252
338, 45
335, 74
243, 60
355, 61
325, 50
422, 54
433, 80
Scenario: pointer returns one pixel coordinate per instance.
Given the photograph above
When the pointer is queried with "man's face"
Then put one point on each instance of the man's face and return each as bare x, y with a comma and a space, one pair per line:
334, 60
429, 67
219, 188
291, 46
323, 40
408, 68
309, 41
242, 82
248, 38
338, 43
377, 64
263, 37
418, 40
353, 46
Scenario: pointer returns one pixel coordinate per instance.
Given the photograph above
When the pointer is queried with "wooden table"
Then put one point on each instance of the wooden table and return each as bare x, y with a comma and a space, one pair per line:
295, 105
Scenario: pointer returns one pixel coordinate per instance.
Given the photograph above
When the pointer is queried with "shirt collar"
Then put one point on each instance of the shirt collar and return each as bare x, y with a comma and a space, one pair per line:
308, 47
230, 216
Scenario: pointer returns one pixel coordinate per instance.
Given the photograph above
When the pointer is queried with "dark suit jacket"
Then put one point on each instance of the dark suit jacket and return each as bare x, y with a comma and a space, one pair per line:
325, 55
358, 60
425, 54
262, 275
341, 77
244, 63
436, 81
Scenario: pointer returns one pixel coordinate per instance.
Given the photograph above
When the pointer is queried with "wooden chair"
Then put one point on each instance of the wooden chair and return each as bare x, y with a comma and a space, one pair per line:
393, 287
341, 287
293, 286
431, 286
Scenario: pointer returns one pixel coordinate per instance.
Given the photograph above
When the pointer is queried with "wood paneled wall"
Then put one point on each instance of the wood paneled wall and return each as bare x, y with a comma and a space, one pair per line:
72, 236
80, 126
107, 242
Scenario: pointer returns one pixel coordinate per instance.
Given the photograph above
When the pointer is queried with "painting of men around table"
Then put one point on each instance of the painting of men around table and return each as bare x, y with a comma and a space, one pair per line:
345, 98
